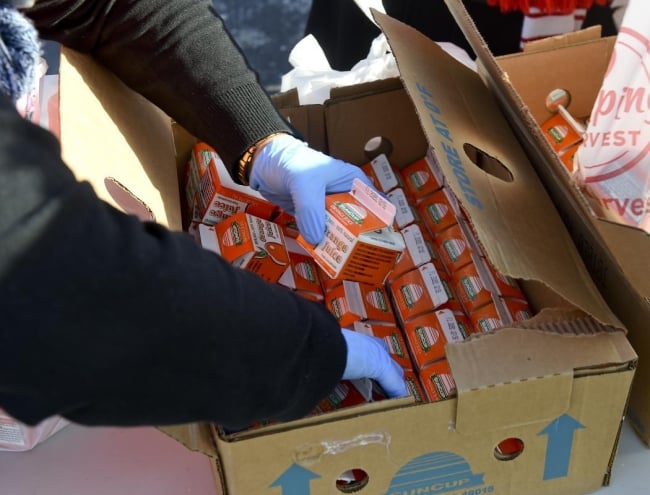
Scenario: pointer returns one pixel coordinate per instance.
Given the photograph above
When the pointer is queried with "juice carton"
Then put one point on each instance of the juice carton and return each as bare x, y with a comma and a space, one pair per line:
382, 174
327, 282
420, 249
473, 284
302, 276
518, 309
359, 242
439, 210
392, 336
354, 301
437, 382
414, 386
418, 291
456, 246
288, 224
490, 316
251, 243
211, 190
345, 394
422, 177
405, 212
505, 286
428, 334
560, 133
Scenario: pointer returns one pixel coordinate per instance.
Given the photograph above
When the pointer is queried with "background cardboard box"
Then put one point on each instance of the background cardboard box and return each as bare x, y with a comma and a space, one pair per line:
617, 256
559, 383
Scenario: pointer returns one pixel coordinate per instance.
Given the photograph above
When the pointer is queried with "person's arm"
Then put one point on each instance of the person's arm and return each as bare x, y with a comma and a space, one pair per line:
107, 320
178, 54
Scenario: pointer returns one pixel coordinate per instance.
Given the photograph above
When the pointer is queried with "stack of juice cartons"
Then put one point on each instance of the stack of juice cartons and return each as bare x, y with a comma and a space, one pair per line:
212, 196
443, 288
404, 266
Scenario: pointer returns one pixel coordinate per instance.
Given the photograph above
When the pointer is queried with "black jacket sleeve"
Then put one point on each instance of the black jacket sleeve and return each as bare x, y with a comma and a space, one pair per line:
106, 320
176, 53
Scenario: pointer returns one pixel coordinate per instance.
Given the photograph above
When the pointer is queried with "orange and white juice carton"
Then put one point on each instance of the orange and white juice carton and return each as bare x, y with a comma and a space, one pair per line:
439, 210
456, 246
464, 324
216, 195
568, 155
345, 394
251, 243
392, 336
288, 224
414, 386
422, 177
473, 284
339, 306
354, 301
327, 282
518, 309
559, 132
490, 317
505, 285
359, 243
428, 334
437, 381
302, 275
382, 174
405, 212
419, 249
419, 291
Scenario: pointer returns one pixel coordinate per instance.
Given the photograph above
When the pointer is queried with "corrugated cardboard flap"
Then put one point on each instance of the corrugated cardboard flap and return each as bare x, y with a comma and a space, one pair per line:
515, 219
107, 130
628, 246
551, 42
195, 436
496, 374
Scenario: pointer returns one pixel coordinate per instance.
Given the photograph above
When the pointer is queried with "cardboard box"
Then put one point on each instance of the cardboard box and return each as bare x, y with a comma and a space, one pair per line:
617, 256
559, 383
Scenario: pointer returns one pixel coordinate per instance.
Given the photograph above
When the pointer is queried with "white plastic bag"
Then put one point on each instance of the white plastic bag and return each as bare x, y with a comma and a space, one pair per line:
313, 77
612, 165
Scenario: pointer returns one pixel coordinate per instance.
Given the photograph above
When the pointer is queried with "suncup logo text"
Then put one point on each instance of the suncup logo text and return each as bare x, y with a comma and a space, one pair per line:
447, 146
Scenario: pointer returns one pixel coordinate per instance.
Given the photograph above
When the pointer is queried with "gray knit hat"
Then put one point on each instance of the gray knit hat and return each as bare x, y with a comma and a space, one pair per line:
19, 49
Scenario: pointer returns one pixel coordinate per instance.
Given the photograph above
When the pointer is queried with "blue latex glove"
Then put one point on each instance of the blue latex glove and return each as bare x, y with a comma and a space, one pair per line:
368, 357
296, 177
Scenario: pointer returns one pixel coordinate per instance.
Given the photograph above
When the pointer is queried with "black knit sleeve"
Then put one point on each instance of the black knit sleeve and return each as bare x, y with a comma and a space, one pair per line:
177, 54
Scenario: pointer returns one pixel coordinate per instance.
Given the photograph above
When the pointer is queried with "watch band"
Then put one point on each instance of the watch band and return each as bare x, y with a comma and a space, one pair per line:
246, 160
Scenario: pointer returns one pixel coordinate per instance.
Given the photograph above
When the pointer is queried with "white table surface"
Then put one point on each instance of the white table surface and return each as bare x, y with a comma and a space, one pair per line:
144, 461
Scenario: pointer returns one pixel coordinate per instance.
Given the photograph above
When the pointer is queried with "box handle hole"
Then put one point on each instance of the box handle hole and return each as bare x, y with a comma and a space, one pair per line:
128, 201
509, 449
488, 163
376, 146
352, 480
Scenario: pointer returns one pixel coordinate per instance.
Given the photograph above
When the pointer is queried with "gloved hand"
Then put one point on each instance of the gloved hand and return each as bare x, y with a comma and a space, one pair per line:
368, 357
290, 174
